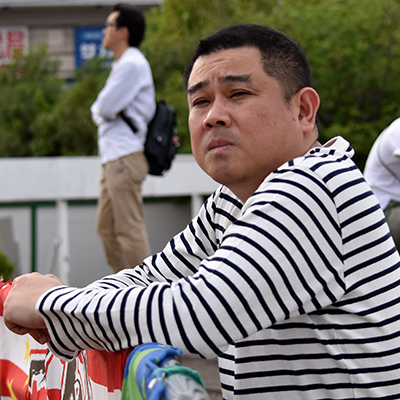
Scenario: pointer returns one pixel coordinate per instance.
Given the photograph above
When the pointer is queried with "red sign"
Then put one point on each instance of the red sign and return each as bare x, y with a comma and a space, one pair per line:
11, 38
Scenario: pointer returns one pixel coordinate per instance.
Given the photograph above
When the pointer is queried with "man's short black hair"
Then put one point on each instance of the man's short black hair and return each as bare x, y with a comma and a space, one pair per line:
282, 58
133, 19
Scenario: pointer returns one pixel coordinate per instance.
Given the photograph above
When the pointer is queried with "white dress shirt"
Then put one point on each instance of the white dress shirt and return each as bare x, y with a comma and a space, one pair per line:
382, 170
129, 87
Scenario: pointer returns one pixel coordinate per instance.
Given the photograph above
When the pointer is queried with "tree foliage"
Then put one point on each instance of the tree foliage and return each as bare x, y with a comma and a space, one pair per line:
68, 129
354, 50
353, 47
28, 87
6, 267
40, 114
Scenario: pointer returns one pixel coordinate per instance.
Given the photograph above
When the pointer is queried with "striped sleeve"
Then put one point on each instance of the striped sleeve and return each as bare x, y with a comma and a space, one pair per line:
183, 254
280, 259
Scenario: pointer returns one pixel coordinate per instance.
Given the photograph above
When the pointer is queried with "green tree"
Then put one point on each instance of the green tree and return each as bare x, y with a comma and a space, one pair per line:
354, 51
6, 266
29, 87
353, 47
67, 129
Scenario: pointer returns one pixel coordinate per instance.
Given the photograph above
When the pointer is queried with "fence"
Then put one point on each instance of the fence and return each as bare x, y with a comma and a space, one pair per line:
32, 183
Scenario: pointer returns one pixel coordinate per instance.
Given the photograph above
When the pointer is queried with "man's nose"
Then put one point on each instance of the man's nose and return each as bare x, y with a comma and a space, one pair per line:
218, 114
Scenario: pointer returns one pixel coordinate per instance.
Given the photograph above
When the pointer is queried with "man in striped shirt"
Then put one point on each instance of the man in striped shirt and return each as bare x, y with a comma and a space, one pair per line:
288, 274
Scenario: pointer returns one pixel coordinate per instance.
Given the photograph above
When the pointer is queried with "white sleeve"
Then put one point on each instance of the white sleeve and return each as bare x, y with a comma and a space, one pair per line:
390, 138
115, 97
183, 254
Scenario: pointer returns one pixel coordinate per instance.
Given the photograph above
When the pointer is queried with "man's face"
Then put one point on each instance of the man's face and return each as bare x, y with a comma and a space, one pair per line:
241, 127
110, 31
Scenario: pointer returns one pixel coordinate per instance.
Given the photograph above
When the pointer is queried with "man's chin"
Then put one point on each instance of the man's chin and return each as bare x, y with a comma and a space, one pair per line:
217, 167
221, 175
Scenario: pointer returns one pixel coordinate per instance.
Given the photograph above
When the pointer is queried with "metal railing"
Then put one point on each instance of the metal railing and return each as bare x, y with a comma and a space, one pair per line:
60, 181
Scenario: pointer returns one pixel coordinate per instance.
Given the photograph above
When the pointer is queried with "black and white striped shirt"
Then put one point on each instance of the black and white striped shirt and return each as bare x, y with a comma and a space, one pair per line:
297, 291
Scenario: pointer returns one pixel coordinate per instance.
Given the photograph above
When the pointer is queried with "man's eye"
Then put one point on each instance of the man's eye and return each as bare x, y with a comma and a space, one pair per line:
239, 93
199, 102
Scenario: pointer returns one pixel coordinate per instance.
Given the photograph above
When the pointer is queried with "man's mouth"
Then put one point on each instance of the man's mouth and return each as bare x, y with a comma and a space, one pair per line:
219, 144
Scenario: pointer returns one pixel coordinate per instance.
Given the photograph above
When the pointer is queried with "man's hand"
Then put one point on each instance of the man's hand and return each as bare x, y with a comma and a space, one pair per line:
20, 315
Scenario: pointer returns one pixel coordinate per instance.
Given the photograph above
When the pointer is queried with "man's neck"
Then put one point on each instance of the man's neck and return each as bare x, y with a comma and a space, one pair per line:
119, 50
244, 190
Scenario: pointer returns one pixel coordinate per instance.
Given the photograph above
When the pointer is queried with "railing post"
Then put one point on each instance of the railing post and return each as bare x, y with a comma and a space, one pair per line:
63, 234
195, 204
33, 237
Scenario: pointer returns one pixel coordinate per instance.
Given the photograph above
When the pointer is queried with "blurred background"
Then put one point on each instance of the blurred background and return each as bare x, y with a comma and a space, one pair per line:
46, 89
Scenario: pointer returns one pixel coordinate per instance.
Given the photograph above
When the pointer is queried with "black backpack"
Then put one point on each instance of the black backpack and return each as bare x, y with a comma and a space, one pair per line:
162, 140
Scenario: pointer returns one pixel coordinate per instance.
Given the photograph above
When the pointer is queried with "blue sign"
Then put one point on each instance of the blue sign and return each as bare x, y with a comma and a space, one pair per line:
88, 44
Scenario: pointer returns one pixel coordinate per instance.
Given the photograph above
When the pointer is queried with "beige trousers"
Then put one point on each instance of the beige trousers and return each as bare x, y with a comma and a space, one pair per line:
120, 222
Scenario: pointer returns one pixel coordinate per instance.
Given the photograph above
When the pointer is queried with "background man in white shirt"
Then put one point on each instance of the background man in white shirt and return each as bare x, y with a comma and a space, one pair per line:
382, 172
128, 88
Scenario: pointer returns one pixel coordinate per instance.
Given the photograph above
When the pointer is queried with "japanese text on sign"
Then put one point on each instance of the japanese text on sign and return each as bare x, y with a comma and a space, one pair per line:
12, 38
88, 44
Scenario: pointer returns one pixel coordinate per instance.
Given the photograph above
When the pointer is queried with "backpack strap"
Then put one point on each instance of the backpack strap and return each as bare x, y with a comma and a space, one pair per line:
129, 122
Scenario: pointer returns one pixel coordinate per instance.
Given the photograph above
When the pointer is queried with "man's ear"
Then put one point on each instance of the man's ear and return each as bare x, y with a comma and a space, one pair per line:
124, 33
308, 103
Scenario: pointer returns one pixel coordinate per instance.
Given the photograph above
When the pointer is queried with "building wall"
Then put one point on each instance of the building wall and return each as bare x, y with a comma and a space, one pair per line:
55, 26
